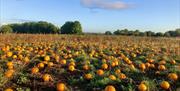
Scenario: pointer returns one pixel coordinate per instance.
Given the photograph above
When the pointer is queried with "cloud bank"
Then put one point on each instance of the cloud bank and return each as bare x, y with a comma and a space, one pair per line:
105, 4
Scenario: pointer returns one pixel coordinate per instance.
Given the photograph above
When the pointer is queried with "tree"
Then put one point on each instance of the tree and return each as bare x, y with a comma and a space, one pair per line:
159, 34
71, 28
6, 29
167, 34
117, 32
177, 32
108, 33
35, 27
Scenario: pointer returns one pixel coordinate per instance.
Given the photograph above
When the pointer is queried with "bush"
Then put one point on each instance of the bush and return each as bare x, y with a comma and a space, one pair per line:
71, 28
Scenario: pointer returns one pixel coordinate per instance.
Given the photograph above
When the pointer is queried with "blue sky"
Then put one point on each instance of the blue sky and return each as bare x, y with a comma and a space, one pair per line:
96, 15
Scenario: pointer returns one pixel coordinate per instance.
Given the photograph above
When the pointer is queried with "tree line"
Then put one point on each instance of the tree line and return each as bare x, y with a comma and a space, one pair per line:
42, 27
74, 27
175, 33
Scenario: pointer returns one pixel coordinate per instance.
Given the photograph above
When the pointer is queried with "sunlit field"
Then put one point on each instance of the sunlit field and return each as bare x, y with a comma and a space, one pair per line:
88, 63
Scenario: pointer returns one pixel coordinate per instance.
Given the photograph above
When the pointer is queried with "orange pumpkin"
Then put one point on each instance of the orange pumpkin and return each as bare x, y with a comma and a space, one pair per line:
41, 65
8, 89
100, 72
50, 64
110, 88
61, 87
163, 62
161, 67
63, 62
86, 67
112, 77
34, 70
142, 87
9, 64
71, 68
88, 76
173, 62
104, 66
142, 66
46, 58
46, 77
9, 54
9, 73
122, 76
165, 85
173, 76
117, 71
151, 61
72, 63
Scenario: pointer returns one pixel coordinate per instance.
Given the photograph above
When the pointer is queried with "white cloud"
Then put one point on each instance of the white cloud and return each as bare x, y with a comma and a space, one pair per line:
105, 4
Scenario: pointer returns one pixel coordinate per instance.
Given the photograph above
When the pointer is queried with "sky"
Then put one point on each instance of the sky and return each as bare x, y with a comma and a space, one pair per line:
96, 15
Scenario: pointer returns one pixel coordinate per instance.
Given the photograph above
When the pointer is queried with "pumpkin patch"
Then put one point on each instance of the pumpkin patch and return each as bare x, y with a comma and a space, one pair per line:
88, 63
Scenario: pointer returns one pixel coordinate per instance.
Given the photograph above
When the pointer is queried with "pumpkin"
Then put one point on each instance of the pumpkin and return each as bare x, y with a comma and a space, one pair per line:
161, 67
46, 58
26, 59
132, 67
152, 66
162, 62
117, 71
86, 67
41, 65
71, 68
8, 89
46, 77
100, 72
142, 87
122, 76
113, 64
9, 64
173, 76
151, 61
9, 54
50, 64
88, 76
104, 66
142, 66
9, 73
72, 63
165, 85
61, 87
34, 70
173, 62
147, 64
14, 56
63, 62
110, 88
112, 77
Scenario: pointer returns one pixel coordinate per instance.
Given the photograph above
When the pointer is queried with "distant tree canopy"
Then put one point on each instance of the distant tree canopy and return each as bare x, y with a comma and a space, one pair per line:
71, 28
108, 33
127, 32
6, 29
34, 27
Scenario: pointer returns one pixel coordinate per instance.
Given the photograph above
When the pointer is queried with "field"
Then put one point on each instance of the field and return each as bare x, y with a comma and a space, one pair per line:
88, 63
